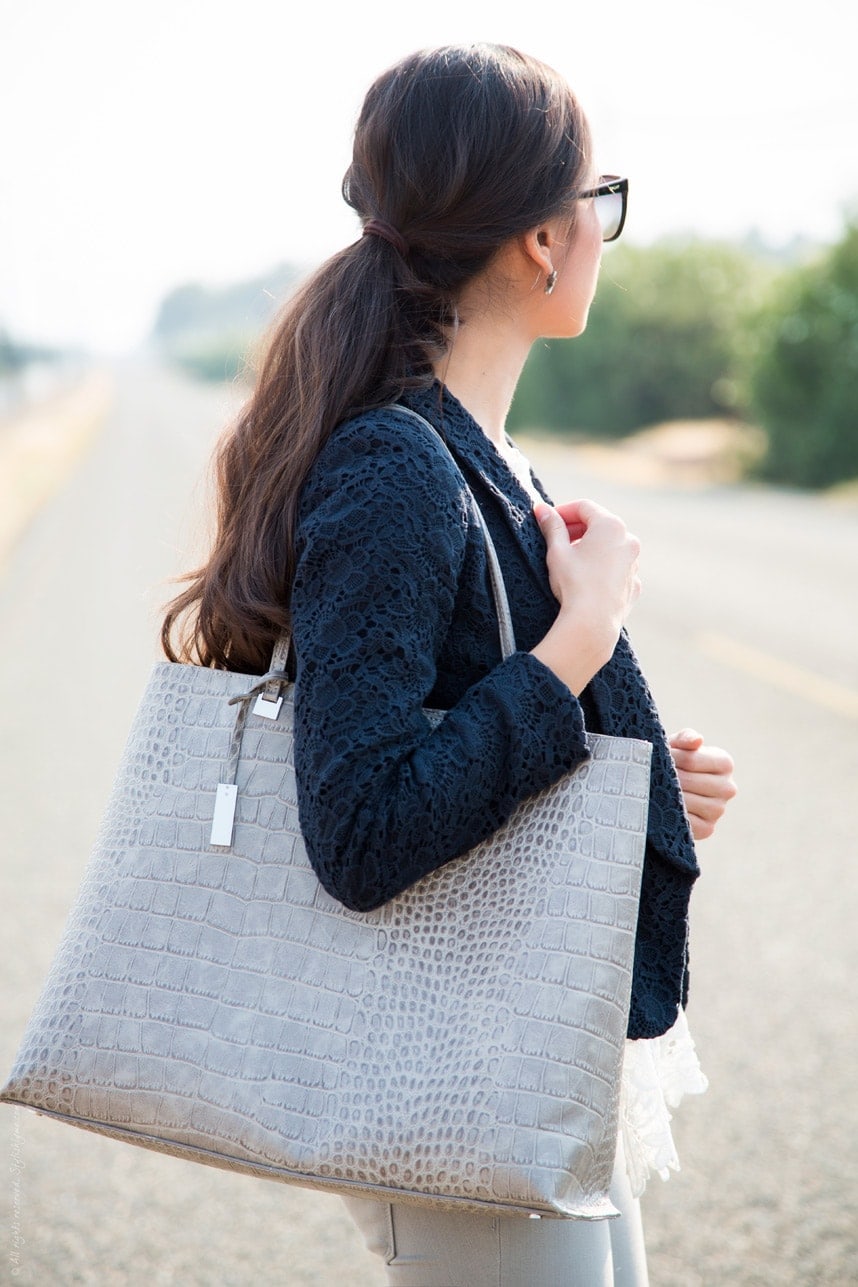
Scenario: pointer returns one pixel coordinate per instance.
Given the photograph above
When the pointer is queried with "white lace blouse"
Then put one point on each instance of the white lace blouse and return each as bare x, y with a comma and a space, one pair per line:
657, 1073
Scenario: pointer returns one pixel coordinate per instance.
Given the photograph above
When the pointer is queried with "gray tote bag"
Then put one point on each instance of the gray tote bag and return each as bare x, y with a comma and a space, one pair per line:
460, 1046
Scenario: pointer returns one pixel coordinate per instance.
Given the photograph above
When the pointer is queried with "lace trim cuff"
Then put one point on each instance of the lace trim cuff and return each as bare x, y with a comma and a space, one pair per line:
657, 1074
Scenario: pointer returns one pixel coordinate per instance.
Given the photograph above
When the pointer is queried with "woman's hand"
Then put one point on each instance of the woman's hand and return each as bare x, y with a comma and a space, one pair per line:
706, 778
592, 559
592, 563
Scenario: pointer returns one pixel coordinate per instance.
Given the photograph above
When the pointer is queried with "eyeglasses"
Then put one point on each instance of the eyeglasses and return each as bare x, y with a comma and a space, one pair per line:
611, 195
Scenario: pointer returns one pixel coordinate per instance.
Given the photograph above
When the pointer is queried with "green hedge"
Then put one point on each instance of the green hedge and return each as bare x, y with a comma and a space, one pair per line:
804, 387
664, 341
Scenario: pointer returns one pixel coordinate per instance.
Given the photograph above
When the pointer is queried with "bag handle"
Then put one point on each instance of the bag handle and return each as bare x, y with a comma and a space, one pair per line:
268, 701
505, 629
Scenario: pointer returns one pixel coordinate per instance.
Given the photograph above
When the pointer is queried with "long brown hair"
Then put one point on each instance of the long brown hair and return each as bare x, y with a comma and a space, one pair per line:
456, 149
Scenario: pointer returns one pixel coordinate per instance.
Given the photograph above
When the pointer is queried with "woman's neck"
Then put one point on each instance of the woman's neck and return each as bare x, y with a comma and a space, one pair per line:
481, 368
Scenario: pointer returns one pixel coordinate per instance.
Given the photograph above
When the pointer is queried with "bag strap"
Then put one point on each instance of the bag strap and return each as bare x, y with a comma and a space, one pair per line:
268, 700
505, 629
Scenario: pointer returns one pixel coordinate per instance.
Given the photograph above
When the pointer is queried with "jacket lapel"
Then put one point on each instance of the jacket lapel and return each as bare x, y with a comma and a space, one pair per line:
487, 473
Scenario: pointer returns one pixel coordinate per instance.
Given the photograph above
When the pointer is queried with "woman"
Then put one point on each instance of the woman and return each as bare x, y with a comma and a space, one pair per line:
350, 523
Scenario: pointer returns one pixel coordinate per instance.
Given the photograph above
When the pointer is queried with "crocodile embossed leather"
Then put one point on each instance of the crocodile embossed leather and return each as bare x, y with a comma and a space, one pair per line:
460, 1045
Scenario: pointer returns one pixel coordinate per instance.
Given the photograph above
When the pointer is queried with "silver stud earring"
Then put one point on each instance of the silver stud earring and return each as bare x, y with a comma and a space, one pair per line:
551, 281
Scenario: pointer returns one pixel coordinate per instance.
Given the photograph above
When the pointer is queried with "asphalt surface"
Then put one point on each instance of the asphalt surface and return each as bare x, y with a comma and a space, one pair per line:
747, 629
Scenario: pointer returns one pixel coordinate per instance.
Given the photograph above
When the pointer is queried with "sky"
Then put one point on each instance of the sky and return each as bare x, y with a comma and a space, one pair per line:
146, 145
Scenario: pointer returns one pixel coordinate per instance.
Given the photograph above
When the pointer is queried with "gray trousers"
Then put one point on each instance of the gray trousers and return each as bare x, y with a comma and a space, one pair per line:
424, 1248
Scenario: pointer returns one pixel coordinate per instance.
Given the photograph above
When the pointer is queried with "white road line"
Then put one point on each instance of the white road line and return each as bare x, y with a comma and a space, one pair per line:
782, 674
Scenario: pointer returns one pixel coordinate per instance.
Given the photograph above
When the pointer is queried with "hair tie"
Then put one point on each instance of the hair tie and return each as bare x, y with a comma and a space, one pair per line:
387, 232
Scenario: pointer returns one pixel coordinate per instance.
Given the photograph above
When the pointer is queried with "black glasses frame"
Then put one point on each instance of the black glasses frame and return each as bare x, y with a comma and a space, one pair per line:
610, 185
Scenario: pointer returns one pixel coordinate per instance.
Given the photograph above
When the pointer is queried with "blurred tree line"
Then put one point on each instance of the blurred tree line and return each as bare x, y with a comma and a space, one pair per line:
804, 377
686, 331
666, 338
212, 331
16, 355
678, 330
30, 371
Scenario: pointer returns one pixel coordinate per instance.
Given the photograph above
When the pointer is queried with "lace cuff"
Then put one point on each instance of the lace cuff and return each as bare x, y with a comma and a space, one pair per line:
657, 1074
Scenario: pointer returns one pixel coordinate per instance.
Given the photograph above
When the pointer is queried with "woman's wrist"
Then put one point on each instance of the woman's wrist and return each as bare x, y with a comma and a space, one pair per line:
575, 649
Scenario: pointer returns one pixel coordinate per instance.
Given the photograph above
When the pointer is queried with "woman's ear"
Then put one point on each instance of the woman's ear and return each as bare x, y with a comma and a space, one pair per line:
537, 244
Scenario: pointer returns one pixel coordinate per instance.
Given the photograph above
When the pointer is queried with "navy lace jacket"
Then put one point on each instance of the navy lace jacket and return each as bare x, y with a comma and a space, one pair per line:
392, 611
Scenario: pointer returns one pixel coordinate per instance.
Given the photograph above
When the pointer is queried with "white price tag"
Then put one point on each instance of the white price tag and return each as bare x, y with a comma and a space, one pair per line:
224, 814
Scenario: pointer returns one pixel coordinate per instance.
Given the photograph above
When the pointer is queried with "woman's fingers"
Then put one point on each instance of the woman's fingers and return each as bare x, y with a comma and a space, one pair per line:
704, 813
705, 759
687, 739
701, 828
575, 531
579, 511
551, 524
584, 511
606, 535
720, 786
705, 779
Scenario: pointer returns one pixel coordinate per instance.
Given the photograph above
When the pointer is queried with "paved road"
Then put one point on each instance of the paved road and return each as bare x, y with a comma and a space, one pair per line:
747, 628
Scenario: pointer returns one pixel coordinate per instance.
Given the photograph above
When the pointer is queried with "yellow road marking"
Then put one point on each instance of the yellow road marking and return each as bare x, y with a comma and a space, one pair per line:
783, 674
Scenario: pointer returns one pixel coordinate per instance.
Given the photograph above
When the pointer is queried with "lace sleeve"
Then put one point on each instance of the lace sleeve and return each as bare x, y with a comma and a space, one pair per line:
386, 545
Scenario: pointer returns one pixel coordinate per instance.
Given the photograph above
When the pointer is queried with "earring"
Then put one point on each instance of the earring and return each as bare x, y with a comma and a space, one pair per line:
551, 281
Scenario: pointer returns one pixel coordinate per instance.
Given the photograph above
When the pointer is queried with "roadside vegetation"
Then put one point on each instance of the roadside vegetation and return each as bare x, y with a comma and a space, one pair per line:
16, 356
213, 332
803, 385
679, 331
